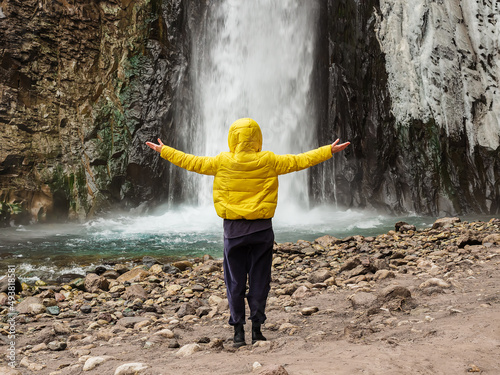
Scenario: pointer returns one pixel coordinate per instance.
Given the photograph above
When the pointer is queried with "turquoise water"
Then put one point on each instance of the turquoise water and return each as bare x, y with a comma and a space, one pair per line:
45, 251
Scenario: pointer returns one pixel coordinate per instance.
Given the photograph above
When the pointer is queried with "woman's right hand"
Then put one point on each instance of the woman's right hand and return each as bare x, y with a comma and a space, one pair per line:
154, 146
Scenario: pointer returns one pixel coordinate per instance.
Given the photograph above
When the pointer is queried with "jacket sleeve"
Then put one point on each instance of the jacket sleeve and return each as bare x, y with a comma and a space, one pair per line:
192, 163
292, 163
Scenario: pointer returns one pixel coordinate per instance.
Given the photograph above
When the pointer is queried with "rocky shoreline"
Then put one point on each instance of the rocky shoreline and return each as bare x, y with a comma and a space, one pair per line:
154, 317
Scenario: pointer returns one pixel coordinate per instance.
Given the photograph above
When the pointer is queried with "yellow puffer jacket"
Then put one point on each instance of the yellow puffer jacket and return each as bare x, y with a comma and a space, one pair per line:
246, 178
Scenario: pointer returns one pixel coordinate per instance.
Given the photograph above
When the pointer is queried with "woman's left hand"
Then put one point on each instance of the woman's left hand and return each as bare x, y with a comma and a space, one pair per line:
339, 147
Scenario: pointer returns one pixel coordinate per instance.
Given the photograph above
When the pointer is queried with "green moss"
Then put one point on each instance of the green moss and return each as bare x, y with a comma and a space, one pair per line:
71, 185
60, 181
10, 208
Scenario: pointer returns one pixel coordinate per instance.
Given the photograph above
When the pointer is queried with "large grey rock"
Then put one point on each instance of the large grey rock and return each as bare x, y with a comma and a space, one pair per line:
186, 309
492, 238
134, 275
135, 291
326, 241
134, 368
445, 222
149, 261
66, 278
363, 300
31, 305
94, 283
187, 350
130, 321
5, 283
319, 276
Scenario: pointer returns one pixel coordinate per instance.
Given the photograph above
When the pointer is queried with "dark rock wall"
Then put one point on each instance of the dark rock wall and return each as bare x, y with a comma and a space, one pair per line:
415, 168
83, 84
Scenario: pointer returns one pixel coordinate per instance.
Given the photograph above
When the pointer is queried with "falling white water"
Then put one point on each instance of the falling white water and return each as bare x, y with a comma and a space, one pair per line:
256, 60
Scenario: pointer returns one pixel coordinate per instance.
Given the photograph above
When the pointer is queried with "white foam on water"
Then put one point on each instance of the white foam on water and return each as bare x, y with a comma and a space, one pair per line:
188, 224
177, 220
30, 273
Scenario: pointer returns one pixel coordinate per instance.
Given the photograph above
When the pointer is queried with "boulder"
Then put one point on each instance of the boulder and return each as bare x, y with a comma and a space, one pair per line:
156, 269
121, 268
99, 270
188, 350
149, 261
359, 270
31, 305
327, 241
93, 362
77, 283
363, 300
468, 239
95, 283
131, 321
319, 276
134, 275
350, 264
434, 282
86, 309
111, 275
4, 285
135, 291
301, 292
445, 222
186, 309
4, 298
170, 269
183, 265
404, 227
131, 369
208, 267
492, 238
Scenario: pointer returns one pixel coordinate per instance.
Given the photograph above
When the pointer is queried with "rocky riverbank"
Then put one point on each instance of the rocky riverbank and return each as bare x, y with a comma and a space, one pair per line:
408, 301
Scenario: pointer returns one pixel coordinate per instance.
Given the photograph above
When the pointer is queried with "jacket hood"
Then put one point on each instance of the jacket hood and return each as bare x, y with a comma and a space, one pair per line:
245, 135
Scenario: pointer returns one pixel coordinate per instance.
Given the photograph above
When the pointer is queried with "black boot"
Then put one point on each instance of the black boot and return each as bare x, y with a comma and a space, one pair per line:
256, 333
239, 336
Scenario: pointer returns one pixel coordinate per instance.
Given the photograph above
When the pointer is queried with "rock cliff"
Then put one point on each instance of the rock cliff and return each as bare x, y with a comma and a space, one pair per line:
84, 84
415, 88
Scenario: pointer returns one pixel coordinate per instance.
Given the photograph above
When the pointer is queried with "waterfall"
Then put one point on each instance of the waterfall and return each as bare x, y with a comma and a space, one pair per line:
255, 59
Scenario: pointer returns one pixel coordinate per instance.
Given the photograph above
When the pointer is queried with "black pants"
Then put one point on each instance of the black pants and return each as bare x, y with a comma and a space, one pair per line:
251, 256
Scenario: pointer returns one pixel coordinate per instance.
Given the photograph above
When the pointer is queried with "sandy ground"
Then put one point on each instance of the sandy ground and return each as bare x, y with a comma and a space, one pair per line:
449, 331
405, 302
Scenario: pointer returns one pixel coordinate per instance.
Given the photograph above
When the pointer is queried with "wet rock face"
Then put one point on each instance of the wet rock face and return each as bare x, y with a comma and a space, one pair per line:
423, 164
83, 86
